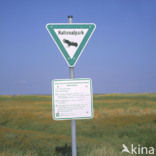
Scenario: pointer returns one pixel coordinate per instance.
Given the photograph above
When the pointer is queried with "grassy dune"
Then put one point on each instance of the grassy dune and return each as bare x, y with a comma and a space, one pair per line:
27, 128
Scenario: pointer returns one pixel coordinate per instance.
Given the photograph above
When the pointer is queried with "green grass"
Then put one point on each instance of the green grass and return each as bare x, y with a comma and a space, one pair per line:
27, 128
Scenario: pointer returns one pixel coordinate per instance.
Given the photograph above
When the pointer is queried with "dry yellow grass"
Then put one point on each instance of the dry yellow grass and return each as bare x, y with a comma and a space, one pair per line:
27, 127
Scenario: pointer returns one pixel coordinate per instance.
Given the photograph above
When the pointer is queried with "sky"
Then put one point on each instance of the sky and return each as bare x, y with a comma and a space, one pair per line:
120, 57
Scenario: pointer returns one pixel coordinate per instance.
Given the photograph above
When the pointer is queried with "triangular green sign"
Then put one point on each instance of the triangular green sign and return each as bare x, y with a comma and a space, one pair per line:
71, 39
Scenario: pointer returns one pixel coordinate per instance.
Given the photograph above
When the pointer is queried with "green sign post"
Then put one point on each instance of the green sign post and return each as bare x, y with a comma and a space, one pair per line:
71, 39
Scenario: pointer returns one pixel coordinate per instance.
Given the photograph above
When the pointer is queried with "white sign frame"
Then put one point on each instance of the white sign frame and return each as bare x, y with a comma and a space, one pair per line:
58, 91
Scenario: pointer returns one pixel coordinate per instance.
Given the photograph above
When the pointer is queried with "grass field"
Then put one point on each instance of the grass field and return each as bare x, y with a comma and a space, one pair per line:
27, 128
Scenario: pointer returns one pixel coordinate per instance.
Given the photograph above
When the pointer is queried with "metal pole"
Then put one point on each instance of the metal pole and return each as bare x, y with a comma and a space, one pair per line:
73, 122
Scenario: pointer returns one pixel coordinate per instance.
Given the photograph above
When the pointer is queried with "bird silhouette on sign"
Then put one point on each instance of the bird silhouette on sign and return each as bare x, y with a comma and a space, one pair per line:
70, 43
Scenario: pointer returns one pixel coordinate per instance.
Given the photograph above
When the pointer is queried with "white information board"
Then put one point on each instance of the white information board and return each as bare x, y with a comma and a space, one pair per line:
72, 99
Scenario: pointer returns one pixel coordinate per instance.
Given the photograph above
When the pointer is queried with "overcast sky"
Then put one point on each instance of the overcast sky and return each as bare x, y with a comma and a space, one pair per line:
120, 57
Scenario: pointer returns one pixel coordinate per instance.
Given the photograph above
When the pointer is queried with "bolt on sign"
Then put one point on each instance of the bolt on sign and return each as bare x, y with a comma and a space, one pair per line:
72, 99
71, 39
